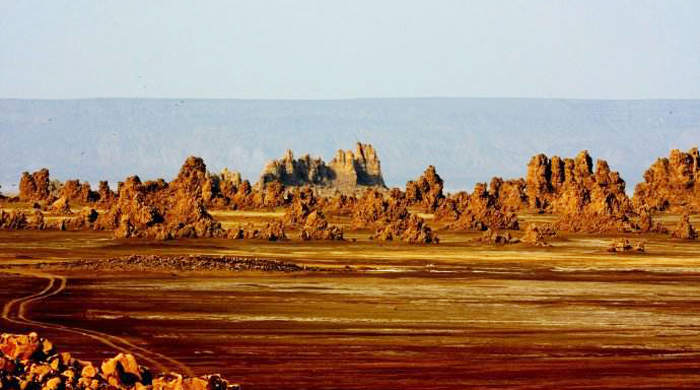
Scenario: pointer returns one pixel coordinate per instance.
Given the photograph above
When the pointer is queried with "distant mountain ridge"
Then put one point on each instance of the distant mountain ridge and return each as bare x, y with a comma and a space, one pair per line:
467, 140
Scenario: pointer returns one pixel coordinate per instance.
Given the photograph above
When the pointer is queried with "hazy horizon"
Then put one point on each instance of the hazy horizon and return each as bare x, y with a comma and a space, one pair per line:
469, 140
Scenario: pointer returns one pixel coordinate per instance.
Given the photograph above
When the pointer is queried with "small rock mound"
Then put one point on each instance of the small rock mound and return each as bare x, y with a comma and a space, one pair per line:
497, 237
271, 231
317, 228
536, 234
412, 229
625, 245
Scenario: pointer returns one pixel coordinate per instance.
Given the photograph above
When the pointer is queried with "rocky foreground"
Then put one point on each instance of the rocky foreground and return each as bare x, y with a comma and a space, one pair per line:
29, 362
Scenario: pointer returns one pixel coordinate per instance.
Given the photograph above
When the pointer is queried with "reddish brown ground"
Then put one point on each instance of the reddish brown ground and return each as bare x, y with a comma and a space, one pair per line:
459, 315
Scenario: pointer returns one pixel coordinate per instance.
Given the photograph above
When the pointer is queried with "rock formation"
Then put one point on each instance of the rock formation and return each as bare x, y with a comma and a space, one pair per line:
341, 205
537, 234
672, 183
684, 229
31, 362
19, 220
77, 192
479, 211
61, 206
426, 191
374, 209
345, 172
105, 194
304, 215
160, 210
317, 228
390, 219
35, 187
587, 201
13, 220
562, 185
511, 195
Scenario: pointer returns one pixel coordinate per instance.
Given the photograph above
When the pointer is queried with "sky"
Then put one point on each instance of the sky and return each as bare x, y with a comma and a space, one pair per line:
338, 49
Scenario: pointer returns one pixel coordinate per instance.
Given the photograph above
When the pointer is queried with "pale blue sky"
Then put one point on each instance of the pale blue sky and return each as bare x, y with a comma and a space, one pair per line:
321, 49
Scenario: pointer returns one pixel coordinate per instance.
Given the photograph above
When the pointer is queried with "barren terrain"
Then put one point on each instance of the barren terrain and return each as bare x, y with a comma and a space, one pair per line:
375, 315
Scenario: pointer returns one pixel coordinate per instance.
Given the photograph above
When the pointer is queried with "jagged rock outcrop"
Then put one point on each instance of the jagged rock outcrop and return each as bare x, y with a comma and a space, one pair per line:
77, 192
35, 187
159, 210
672, 183
564, 185
479, 211
304, 215
340, 205
587, 201
684, 229
105, 194
426, 191
345, 172
30, 362
374, 209
390, 219
511, 195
